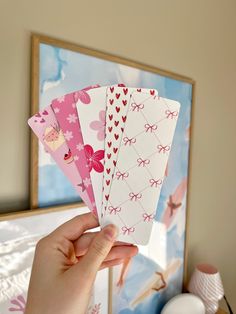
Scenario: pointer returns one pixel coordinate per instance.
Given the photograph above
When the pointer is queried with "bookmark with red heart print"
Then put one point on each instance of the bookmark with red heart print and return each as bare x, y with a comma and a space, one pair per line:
141, 164
117, 104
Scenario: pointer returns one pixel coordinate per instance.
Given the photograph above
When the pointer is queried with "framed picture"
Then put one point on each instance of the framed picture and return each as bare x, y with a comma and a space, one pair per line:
19, 234
158, 272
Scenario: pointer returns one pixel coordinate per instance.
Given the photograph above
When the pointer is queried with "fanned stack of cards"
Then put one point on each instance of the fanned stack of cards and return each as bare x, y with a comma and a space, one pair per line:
113, 144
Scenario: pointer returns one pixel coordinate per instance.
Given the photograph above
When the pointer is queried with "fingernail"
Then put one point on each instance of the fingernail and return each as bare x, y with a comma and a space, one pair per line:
110, 232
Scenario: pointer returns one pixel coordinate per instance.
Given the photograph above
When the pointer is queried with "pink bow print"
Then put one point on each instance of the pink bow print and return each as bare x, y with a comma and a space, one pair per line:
127, 231
171, 114
129, 141
93, 158
163, 149
148, 217
137, 107
135, 197
155, 182
114, 210
150, 127
143, 162
121, 175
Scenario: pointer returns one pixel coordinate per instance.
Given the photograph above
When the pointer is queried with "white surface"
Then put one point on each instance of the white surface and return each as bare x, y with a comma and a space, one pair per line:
185, 303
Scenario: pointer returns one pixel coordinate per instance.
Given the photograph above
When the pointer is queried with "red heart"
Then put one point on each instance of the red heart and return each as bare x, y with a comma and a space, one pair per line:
138, 89
125, 90
116, 123
42, 121
108, 182
108, 170
37, 115
110, 129
112, 89
117, 95
124, 118
45, 112
114, 163
115, 150
124, 102
152, 92
108, 156
117, 109
107, 196
122, 129
110, 116
109, 144
111, 101
116, 136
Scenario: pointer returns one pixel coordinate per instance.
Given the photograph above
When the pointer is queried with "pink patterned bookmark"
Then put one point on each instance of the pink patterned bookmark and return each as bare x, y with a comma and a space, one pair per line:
140, 169
47, 129
117, 104
67, 116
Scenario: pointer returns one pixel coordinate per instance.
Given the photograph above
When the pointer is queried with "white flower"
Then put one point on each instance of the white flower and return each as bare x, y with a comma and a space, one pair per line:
80, 147
61, 99
73, 105
76, 157
68, 135
87, 182
72, 118
56, 110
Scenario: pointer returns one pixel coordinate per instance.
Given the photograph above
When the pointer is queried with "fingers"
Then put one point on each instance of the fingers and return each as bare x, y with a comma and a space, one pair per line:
81, 245
98, 250
72, 229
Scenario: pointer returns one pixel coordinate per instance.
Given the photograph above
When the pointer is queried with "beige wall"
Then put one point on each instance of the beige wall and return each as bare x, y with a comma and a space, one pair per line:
193, 38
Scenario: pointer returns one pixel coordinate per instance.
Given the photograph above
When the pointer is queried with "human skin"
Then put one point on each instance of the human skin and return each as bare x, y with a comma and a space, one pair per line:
66, 263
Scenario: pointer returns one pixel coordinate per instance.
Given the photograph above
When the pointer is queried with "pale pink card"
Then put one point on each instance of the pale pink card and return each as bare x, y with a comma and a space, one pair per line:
141, 165
47, 129
67, 116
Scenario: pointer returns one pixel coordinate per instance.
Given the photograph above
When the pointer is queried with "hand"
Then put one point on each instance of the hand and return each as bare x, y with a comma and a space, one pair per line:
66, 262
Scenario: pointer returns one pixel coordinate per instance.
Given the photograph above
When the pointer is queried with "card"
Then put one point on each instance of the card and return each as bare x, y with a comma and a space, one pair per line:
92, 123
47, 129
117, 104
140, 167
66, 114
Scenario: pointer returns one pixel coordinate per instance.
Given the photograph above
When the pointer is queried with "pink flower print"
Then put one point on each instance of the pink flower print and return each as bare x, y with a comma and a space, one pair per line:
19, 302
56, 110
87, 182
72, 118
93, 158
83, 96
80, 147
68, 135
96, 309
61, 99
99, 125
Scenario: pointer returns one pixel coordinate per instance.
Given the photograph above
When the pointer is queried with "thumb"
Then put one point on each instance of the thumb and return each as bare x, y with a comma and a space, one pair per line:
99, 248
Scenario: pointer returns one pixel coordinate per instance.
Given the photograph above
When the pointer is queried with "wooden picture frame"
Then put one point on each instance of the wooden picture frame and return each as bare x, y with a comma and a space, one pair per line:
38, 40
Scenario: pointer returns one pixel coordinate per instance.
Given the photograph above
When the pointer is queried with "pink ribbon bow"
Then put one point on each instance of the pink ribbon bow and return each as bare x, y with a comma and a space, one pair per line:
148, 217
127, 231
163, 149
155, 182
134, 197
121, 175
114, 210
150, 127
143, 162
129, 141
171, 114
137, 107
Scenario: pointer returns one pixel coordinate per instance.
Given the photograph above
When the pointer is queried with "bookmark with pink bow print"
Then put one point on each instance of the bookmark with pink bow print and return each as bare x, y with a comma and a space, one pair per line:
117, 104
142, 161
47, 129
66, 114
